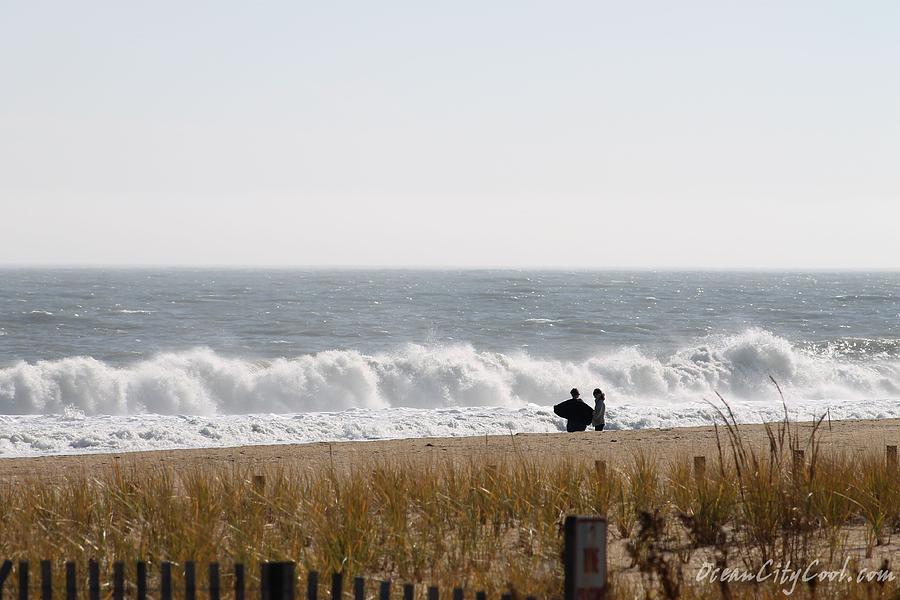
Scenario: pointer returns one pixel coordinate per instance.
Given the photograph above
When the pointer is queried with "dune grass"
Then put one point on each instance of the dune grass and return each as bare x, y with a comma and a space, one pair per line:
492, 526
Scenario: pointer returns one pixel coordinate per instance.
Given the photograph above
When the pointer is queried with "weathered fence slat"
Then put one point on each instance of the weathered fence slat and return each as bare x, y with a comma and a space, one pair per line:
190, 580
118, 581
141, 575
46, 580
505, 596
457, 594
238, 581
480, 595
359, 589
277, 580
433, 593
4, 574
71, 581
312, 585
93, 580
23, 580
214, 581
409, 591
165, 580
337, 586
384, 591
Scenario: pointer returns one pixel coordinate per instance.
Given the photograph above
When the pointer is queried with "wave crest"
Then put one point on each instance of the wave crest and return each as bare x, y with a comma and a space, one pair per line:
199, 381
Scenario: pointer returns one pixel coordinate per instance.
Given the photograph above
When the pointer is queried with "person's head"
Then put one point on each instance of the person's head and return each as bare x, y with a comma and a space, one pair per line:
575, 393
598, 395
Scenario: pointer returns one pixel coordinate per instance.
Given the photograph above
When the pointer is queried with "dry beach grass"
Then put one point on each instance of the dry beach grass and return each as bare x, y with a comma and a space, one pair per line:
449, 513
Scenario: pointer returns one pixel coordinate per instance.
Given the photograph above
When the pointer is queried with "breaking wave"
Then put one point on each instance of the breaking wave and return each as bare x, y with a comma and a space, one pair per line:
202, 382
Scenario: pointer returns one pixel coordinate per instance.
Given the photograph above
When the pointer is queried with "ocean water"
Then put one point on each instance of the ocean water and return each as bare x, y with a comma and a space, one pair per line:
113, 360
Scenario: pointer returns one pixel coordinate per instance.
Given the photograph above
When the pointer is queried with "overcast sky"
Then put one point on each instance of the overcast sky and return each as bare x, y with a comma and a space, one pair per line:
508, 133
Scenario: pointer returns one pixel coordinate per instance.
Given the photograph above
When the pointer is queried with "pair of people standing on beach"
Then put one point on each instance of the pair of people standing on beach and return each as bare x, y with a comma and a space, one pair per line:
579, 415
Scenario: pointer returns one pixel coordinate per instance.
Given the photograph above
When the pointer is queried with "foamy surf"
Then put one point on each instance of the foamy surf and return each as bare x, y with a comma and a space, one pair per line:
202, 382
76, 433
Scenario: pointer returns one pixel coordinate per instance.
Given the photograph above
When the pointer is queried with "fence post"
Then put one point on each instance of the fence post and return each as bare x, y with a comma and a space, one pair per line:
46, 580
457, 593
409, 591
384, 591
71, 581
93, 580
5, 570
699, 468
890, 455
312, 585
337, 586
118, 581
23, 580
433, 593
141, 576
214, 581
165, 580
480, 595
190, 580
277, 581
238, 581
359, 589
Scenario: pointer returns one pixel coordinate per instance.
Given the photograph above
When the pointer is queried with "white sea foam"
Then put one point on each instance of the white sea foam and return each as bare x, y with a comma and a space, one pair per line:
205, 383
81, 404
75, 433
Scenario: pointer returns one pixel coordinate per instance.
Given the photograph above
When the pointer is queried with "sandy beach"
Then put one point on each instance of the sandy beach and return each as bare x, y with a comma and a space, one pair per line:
615, 447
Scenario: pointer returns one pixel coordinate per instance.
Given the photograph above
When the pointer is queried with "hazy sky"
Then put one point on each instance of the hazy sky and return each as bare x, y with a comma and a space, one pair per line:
509, 133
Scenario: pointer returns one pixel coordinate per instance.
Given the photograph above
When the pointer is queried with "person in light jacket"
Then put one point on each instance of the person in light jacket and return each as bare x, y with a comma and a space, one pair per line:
599, 419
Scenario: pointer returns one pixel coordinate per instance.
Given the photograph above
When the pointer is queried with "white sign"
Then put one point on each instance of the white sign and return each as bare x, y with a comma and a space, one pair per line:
585, 556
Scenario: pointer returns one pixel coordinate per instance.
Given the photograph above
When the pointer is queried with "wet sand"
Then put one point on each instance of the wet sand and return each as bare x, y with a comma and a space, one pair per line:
615, 447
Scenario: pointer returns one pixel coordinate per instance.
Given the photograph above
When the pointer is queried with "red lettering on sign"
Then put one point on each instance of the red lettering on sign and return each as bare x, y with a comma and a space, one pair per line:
592, 560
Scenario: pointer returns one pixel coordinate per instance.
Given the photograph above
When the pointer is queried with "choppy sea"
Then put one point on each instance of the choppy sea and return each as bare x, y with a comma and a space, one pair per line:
107, 360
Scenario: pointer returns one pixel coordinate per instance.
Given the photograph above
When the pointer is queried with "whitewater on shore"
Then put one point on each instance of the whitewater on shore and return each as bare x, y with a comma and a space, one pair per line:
119, 360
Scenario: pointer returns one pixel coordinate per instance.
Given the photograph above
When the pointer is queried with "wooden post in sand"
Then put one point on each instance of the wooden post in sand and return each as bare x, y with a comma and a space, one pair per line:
238, 581
141, 573
23, 580
190, 580
337, 586
600, 469
71, 580
46, 580
409, 591
890, 455
5, 570
384, 590
165, 580
213, 573
118, 580
93, 580
277, 581
312, 585
699, 468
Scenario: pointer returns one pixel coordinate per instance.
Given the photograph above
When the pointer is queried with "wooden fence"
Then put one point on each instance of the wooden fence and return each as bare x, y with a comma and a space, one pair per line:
271, 586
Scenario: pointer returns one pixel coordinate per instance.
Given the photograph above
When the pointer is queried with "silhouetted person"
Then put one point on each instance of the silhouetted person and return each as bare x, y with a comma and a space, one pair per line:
599, 419
575, 411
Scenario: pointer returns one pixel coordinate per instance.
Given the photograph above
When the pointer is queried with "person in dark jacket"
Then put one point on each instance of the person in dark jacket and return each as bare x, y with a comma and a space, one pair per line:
577, 418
